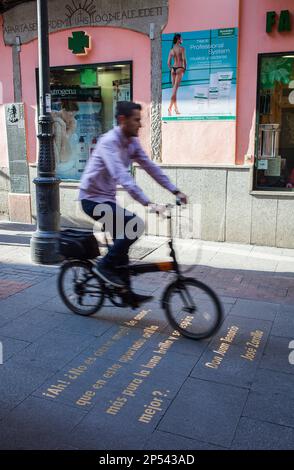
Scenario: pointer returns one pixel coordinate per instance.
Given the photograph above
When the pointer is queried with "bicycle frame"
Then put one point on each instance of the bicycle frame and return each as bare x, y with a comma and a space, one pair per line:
157, 266
180, 286
164, 266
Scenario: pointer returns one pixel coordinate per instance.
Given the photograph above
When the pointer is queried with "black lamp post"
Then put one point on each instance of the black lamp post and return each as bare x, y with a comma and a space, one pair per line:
44, 242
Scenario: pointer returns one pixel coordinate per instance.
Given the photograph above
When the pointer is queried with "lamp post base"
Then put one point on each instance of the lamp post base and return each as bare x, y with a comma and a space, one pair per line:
45, 248
45, 241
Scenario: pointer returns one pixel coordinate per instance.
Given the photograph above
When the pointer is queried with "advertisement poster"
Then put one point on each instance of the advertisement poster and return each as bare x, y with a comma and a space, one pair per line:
121, 92
76, 114
199, 75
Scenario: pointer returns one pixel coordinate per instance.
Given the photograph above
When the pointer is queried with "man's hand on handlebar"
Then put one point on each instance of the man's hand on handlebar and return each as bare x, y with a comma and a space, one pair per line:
160, 209
181, 197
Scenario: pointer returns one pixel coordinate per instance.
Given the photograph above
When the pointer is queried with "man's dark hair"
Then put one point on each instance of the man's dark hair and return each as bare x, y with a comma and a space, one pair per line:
126, 108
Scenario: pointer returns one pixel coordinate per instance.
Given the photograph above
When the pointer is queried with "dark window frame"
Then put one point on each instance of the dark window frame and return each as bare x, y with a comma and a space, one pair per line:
261, 56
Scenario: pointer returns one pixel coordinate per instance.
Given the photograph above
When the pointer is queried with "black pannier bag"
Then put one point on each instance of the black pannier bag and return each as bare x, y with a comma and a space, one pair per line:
78, 244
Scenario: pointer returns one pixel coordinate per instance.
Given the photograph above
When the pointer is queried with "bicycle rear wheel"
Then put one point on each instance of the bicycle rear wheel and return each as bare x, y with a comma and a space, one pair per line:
192, 308
79, 288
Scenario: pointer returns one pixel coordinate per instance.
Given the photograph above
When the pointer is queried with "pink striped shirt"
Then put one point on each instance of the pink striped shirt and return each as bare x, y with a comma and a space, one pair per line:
109, 166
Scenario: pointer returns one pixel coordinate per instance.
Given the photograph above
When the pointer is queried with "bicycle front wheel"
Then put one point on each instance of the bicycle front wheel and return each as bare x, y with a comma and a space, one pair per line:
79, 288
192, 308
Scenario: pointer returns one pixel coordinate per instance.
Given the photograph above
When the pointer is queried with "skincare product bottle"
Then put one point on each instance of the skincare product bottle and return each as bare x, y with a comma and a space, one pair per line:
224, 83
92, 146
201, 92
213, 86
82, 155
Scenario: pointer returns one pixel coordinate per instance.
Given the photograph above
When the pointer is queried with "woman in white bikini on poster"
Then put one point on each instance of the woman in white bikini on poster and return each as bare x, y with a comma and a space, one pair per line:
178, 56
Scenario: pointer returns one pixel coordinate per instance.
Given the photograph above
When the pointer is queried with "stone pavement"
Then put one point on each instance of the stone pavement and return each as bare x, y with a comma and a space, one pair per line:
113, 381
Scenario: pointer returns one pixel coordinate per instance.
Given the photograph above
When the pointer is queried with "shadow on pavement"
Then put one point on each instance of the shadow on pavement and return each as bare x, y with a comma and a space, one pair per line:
73, 381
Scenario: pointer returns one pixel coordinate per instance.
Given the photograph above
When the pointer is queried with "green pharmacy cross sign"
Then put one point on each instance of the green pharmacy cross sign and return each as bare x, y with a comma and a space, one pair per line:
79, 43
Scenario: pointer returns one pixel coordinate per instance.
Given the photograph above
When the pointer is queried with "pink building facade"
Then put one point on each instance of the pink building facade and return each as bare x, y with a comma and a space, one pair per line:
242, 160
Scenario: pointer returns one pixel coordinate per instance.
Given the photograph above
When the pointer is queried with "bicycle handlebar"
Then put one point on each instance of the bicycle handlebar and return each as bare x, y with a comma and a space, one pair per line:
178, 203
168, 206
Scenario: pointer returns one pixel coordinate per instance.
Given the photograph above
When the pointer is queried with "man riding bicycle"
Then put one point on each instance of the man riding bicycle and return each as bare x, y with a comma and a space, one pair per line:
107, 167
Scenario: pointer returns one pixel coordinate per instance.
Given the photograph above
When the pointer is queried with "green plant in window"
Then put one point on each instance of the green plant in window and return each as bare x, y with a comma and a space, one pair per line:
275, 69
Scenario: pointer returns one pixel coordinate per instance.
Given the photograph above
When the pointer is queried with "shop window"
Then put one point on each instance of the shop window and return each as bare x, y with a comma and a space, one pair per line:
274, 154
83, 107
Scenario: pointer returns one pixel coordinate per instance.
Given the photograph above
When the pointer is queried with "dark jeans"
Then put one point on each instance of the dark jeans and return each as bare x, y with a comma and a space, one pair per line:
124, 227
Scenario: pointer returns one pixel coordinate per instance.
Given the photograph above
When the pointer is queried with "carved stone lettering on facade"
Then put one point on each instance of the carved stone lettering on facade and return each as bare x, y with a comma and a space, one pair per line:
129, 14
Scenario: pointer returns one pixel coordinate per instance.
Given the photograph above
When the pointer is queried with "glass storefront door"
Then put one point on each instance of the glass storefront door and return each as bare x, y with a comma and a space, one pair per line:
83, 107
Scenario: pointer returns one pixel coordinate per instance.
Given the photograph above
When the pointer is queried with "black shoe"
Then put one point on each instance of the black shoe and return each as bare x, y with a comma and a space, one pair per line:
135, 300
108, 275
